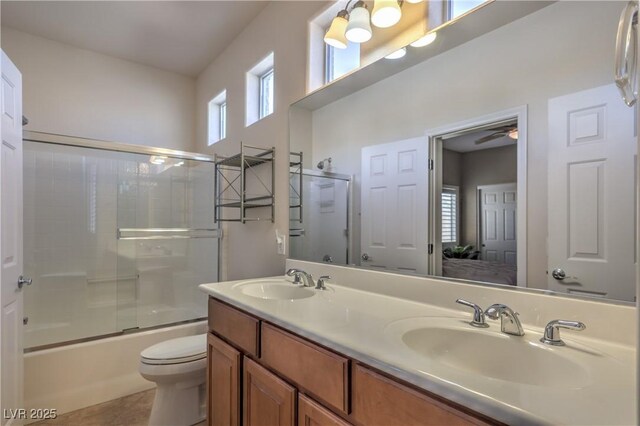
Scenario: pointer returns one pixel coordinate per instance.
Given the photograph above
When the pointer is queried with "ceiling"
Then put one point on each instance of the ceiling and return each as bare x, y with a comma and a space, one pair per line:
178, 36
466, 142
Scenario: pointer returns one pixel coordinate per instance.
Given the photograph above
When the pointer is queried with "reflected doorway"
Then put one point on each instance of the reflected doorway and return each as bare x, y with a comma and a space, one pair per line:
475, 214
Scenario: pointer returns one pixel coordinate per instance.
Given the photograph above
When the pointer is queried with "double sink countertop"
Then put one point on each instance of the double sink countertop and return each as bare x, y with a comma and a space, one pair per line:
515, 380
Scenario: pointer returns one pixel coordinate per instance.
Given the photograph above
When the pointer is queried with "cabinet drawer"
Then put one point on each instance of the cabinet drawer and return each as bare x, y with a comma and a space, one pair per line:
310, 413
239, 328
378, 400
316, 370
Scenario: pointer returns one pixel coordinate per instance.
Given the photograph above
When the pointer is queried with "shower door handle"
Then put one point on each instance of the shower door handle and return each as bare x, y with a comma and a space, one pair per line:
22, 281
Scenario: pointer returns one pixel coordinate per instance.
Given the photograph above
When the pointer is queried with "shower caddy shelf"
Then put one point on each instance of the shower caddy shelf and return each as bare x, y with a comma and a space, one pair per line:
232, 176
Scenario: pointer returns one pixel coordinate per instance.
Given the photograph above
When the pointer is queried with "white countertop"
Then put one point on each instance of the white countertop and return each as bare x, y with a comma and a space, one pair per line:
367, 327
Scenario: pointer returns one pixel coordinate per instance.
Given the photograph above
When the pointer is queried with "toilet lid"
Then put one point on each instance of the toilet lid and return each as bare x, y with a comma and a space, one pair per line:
174, 351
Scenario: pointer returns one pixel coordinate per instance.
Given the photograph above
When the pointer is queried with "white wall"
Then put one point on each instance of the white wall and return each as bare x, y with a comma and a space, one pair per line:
249, 250
518, 66
78, 92
483, 167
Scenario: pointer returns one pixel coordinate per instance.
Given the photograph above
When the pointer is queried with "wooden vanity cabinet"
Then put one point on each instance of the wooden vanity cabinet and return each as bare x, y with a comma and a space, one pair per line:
259, 374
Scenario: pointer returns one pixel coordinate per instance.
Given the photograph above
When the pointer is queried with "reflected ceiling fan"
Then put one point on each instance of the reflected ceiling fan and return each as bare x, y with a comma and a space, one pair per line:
511, 131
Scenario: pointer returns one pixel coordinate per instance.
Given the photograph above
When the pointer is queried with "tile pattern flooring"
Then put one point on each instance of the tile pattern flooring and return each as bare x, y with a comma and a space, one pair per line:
131, 410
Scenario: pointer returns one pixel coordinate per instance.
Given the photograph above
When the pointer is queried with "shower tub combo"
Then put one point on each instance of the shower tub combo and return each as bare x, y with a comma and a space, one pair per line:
116, 238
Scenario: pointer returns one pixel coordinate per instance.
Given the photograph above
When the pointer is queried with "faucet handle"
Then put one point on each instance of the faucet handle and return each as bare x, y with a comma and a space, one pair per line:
552, 331
320, 283
478, 314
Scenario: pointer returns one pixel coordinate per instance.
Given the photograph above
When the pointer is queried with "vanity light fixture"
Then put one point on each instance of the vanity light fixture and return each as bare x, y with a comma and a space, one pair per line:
386, 13
359, 28
397, 54
335, 35
425, 40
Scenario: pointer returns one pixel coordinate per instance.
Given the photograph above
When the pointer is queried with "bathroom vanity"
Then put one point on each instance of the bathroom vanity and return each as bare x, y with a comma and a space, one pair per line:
281, 353
268, 376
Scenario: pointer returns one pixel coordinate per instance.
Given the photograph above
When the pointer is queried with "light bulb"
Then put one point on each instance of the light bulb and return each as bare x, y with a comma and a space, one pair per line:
359, 29
425, 40
385, 13
335, 35
397, 54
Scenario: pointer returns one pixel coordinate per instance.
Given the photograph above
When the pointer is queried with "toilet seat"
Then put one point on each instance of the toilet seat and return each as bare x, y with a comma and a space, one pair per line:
176, 351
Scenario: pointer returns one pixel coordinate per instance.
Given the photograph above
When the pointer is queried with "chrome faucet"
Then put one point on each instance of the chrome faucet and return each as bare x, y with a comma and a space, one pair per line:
300, 276
552, 331
509, 322
478, 315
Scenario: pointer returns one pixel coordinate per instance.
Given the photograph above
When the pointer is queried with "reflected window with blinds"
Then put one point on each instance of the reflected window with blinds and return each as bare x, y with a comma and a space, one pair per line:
450, 214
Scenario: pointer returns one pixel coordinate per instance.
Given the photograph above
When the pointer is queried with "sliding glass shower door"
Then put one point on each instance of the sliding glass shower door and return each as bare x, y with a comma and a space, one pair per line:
114, 241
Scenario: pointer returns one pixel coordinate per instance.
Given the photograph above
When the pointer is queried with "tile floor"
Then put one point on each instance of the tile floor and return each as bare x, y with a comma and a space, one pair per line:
131, 410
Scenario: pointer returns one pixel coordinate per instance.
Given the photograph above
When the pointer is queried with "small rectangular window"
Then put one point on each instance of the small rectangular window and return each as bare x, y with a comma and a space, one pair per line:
339, 62
217, 118
223, 120
266, 93
460, 7
450, 214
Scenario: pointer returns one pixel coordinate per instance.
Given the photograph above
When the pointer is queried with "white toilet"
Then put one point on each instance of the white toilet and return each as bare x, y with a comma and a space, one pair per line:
178, 367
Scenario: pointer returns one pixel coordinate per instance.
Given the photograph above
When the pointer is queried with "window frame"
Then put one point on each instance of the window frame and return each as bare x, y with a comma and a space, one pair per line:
217, 118
222, 123
266, 96
455, 190
328, 64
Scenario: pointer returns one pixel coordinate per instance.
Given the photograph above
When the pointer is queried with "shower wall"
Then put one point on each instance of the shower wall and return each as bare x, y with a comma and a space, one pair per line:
110, 241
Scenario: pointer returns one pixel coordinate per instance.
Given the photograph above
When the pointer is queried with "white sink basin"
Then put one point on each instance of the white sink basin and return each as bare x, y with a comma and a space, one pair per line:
454, 344
274, 290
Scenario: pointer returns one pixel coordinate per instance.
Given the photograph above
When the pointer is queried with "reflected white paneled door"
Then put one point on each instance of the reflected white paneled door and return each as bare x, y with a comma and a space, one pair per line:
11, 363
498, 224
592, 194
394, 197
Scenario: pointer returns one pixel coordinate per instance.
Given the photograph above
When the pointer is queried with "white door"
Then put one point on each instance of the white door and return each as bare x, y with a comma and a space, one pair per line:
394, 212
592, 194
498, 223
11, 375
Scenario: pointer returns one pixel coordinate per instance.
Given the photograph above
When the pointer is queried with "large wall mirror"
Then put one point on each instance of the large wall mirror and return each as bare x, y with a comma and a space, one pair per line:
508, 159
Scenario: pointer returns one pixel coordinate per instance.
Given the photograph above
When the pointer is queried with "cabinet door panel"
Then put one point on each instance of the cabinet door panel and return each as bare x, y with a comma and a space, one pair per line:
268, 400
378, 400
310, 413
223, 383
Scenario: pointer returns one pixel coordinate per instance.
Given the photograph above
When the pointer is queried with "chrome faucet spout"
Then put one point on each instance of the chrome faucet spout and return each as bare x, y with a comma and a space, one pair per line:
509, 321
300, 276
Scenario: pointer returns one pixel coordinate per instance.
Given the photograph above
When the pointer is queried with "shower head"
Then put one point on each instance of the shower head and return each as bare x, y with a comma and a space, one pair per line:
325, 163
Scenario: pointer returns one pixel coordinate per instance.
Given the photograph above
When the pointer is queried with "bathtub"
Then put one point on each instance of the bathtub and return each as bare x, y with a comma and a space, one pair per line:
75, 376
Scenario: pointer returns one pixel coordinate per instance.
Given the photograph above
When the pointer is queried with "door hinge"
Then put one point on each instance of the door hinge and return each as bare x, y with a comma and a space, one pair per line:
430, 164
430, 248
